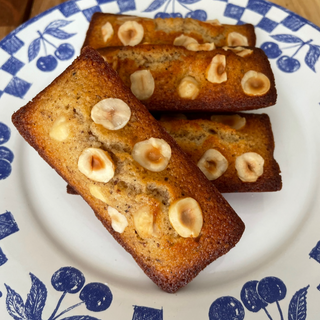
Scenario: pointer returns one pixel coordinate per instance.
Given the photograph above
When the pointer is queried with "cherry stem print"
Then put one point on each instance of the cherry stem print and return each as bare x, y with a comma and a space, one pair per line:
58, 305
64, 51
301, 46
183, 5
288, 63
290, 47
267, 313
66, 310
44, 43
257, 295
44, 40
96, 296
68, 280
272, 289
280, 311
167, 5
198, 14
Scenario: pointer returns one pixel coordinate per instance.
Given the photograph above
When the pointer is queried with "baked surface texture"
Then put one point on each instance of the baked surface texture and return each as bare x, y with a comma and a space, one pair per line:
164, 31
170, 260
196, 136
197, 133
169, 65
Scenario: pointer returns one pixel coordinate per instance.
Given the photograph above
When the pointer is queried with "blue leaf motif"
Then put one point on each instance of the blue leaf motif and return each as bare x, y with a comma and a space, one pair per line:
57, 24
15, 305
36, 299
57, 33
312, 57
298, 305
80, 318
33, 49
286, 38
188, 1
156, 4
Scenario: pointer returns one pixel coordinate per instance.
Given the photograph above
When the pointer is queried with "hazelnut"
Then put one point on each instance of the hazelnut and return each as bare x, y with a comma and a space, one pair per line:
131, 33
249, 166
236, 39
107, 31
213, 164
153, 154
118, 221
96, 164
255, 83
142, 84
112, 113
216, 71
188, 88
60, 130
185, 216
234, 121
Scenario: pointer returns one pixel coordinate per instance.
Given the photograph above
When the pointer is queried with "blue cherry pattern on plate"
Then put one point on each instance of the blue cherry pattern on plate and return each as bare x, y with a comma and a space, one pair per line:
198, 14
315, 254
96, 296
64, 51
288, 63
257, 295
8, 226
6, 155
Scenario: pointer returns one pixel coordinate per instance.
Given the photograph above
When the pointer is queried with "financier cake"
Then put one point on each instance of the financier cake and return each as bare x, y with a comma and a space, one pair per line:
144, 189
107, 30
234, 151
172, 78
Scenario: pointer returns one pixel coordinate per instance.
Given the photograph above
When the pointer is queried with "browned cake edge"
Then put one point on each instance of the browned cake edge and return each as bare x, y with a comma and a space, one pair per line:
90, 34
271, 179
226, 99
177, 280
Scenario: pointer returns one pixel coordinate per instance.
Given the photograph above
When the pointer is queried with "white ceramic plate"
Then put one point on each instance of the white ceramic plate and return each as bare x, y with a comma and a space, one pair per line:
56, 259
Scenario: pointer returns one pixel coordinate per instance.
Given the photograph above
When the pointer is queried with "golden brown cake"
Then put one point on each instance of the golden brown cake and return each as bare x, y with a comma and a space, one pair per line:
232, 137
169, 78
117, 30
144, 189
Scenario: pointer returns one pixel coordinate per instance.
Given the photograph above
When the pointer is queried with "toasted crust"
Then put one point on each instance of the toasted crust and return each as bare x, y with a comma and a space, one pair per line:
169, 65
198, 135
164, 31
168, 259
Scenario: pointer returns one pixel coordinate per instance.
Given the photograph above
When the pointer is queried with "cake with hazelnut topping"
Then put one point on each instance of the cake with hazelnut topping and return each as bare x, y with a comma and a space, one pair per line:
172, 78
234, 151
144, 189
107, 30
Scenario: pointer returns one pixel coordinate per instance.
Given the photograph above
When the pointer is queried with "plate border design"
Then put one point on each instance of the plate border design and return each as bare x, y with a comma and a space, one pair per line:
11, 44
224, 305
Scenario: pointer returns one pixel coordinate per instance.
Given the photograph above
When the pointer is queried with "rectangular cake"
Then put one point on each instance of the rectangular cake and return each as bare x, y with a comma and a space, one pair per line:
221, 143
107, 30
170, 78
144, 189
234, 151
